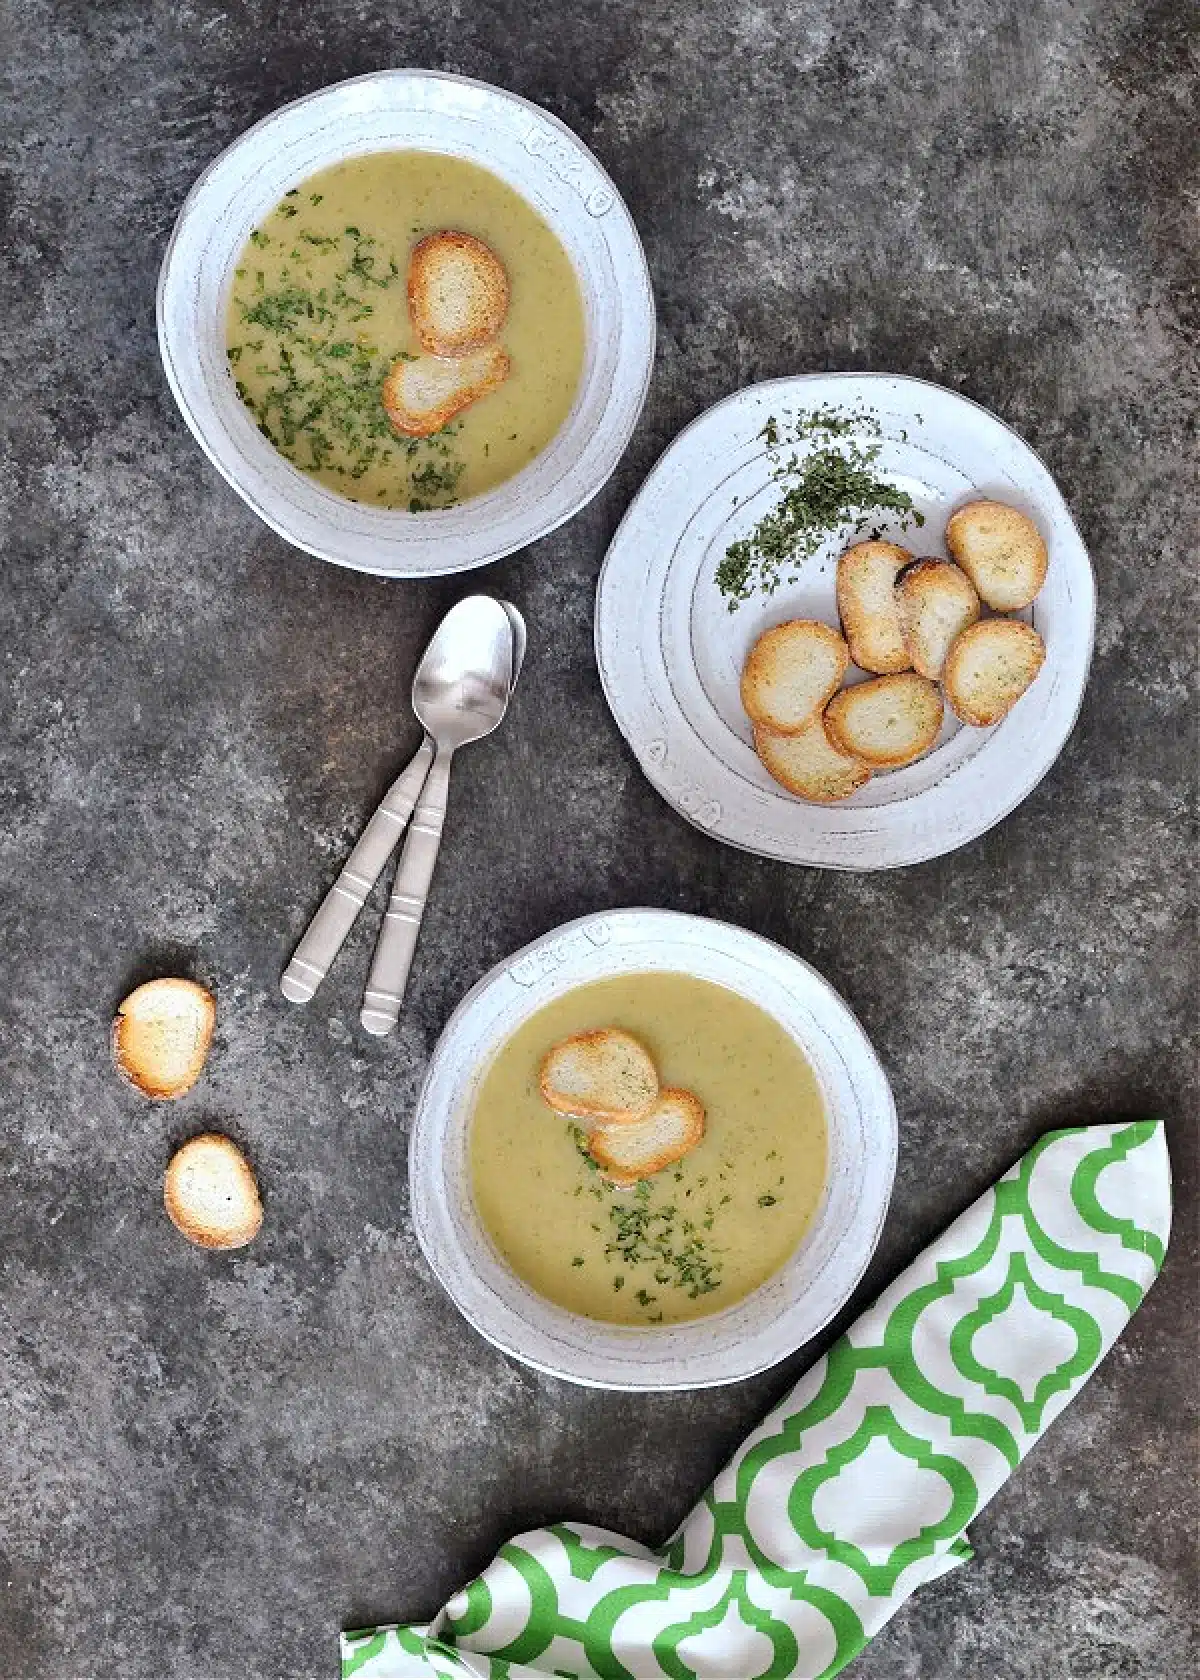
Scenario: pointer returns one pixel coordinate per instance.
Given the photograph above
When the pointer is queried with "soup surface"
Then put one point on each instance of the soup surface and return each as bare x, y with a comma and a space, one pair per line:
319, 314
695, 1237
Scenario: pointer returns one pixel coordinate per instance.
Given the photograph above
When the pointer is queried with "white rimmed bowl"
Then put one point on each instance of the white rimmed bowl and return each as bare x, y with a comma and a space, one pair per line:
554, 171
776, 1318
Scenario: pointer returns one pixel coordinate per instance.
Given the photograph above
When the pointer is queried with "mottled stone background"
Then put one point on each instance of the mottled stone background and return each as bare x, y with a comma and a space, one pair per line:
208, 1465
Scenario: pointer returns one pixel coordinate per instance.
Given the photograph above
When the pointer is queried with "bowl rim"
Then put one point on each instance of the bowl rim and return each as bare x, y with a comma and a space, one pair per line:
639, 281
429, 1130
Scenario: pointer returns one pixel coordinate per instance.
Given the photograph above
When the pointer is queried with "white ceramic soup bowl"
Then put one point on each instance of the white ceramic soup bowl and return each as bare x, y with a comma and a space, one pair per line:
785, 1311
553, 170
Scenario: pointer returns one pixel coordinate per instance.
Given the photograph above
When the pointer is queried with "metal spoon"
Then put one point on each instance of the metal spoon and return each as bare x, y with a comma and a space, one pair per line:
519, 640
338, 910
460, 694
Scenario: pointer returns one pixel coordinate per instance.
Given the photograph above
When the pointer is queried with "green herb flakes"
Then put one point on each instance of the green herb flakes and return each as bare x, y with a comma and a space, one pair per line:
646, 1233
826, 490
317, 387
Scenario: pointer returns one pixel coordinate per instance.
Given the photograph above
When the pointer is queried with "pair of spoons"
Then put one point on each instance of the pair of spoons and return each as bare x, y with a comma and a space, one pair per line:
460, 694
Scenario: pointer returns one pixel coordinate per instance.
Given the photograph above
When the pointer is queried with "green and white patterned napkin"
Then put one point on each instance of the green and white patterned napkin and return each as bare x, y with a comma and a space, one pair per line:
859, 1486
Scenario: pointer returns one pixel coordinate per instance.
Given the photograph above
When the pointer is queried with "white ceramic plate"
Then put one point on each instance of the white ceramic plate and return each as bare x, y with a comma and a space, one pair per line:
784, 1312
670, 652
548, 166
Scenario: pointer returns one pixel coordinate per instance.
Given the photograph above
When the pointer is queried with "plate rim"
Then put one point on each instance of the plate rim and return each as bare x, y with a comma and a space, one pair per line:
916, 853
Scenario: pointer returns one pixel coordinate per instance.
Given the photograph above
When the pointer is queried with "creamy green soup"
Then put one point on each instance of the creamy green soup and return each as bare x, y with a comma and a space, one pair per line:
699, 1235
319, 314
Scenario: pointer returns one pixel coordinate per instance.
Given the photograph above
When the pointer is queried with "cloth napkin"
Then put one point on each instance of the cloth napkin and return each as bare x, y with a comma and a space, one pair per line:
859, 1487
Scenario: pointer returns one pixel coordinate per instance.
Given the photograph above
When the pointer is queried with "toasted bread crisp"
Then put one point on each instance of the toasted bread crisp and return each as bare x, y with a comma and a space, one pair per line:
606, 1077
424, 394
1002, 552
888, 721
989, 668
210, 1194
161, 1035
866, 598
457, 293
809, 765
790, 672
936, 602
673, 1127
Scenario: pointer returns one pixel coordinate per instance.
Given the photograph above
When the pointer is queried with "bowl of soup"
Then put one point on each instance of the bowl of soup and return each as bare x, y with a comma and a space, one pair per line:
285, 303
709, 1269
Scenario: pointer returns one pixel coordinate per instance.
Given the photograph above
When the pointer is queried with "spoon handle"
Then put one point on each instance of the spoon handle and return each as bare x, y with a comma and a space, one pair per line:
326, 933
414, 874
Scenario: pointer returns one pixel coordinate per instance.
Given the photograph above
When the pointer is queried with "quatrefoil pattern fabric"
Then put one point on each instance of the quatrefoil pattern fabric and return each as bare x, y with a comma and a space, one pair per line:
859, 1487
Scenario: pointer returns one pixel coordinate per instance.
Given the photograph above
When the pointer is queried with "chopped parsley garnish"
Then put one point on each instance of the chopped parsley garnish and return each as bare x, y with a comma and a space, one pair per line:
579, 1138
643, 1230
317, 387
655, 1231
824, 491
645, 1233
435, 484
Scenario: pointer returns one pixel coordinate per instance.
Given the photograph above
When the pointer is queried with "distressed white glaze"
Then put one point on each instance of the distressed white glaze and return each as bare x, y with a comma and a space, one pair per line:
542, 160
783, 1313
670, 652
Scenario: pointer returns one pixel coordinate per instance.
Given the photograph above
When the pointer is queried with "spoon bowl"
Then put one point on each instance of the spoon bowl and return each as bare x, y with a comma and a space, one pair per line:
462, 685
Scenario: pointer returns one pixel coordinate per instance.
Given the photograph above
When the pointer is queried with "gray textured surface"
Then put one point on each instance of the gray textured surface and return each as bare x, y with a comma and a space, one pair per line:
209, 1464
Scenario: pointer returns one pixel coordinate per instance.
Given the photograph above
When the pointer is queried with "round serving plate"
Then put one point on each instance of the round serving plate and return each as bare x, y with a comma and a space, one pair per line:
553, 170
671, 653
787, 1310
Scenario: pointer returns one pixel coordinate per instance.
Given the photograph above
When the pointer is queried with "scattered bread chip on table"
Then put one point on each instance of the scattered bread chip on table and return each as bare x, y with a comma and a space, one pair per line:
210, 1193
161, 1036
989, 667
607, 1077
888, 721
866, 598
671, 1130
1002, 552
